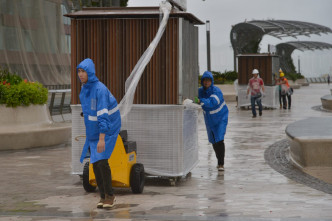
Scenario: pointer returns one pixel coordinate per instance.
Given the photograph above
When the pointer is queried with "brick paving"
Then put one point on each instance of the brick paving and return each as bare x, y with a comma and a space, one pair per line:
277, 156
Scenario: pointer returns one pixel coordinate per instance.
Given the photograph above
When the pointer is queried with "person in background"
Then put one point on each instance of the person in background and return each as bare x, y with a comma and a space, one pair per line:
285, 91
215, 112
279, 87
256, 89
328, 79
102, 123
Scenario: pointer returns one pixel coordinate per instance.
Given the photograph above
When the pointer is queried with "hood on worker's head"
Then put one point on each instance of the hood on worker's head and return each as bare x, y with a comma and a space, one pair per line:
88, 66
207, 74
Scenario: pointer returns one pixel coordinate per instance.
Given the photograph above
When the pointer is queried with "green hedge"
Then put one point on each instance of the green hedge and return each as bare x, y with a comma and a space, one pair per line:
14, 91
293, 76
228, 77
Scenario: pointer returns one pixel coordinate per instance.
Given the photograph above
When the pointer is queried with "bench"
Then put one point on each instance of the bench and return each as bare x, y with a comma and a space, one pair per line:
59, 103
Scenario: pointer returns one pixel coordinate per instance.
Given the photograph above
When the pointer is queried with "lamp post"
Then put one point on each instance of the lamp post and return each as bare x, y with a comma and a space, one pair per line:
208, 45
298, 64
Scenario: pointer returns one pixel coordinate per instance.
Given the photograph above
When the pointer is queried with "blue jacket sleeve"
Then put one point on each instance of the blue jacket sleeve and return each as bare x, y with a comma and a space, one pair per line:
104, 123
212, 101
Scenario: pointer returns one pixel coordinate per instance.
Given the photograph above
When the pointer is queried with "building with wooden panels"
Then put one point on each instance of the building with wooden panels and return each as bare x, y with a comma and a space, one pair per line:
266, 64
268, 67
115, 39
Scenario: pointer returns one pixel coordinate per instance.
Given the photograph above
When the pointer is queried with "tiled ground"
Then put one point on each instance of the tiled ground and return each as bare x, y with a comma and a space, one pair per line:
37, 184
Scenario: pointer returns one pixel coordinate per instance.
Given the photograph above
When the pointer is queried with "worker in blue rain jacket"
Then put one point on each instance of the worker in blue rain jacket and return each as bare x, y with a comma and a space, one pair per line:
102, 122
215, 113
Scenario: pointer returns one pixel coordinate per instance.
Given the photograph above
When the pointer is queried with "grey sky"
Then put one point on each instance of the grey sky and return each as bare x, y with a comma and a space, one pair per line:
225, 13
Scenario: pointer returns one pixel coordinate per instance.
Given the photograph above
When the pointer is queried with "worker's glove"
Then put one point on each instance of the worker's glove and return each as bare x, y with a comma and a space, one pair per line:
263, 95
196, 100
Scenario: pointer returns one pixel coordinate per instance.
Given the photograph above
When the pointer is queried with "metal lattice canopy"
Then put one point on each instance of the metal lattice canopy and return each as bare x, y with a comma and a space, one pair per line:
285, 50
246, 36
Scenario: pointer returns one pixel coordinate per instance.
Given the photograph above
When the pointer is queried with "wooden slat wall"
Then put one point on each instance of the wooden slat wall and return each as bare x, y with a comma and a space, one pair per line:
115, 45
190, 68
265, 65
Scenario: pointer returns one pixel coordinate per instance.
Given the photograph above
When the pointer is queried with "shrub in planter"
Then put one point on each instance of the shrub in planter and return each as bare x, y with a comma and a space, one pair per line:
228, 77
17, 92
293, 76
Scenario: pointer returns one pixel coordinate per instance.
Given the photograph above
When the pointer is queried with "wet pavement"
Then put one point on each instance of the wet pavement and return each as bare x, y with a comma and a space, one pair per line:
37, 184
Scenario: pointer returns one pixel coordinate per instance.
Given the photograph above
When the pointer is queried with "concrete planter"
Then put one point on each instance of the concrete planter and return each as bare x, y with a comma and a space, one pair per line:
26, 127
311, 142
293, 85
302, 82
327, 102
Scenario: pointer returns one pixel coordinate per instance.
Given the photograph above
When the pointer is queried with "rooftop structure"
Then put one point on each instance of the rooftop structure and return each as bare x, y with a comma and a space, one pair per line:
246, 36
131, 12
285, 50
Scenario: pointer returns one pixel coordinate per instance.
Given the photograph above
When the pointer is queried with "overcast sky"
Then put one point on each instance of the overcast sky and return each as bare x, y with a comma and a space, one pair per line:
225, 13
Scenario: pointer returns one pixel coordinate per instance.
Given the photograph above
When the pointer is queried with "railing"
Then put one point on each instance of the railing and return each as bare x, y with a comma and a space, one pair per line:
58, 86
317, 80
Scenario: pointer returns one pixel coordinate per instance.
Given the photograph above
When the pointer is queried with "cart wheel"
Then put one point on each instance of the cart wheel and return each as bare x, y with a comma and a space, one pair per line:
137, 178
172, 181
86, 184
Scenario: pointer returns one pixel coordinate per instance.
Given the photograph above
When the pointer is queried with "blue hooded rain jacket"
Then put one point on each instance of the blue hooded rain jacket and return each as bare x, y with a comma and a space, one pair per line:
214, 109
101, 114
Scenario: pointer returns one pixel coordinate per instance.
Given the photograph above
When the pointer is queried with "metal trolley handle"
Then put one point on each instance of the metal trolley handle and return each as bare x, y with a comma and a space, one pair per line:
77, 137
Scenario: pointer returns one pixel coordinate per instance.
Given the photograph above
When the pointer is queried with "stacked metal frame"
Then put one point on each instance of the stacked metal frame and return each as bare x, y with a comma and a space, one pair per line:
285, 50
166, 138
77, 139
270, 99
